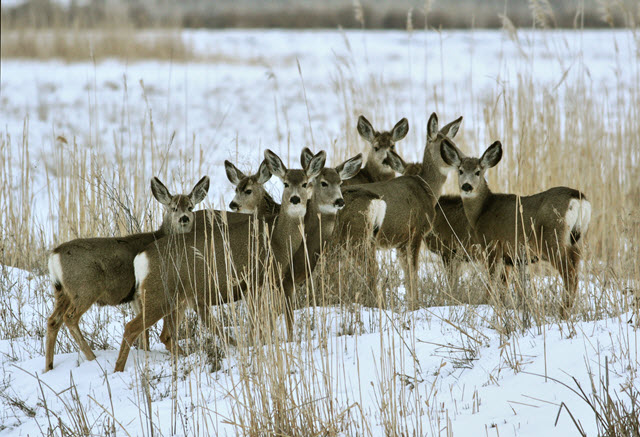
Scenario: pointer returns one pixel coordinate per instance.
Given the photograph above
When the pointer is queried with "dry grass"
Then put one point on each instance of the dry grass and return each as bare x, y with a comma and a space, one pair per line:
585, 139
82, 44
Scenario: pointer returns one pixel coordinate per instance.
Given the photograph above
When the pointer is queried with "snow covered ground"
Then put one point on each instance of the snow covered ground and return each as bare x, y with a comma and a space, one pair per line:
445, 375
435, 370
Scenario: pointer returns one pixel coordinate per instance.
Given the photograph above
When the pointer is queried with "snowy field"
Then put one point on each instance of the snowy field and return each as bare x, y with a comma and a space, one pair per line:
437, 371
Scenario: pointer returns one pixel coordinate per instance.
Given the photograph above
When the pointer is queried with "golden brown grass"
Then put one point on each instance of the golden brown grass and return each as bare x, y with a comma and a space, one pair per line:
95, 44
586, 139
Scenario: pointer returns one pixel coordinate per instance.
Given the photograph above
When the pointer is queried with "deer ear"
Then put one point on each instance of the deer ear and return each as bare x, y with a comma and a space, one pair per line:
394, 161
160, 192
200, 190
350, 167
275, 164
365, 129
400, 130
316, 165
449, 153
233, 174
305, 157
264, 174
492, 155
432, 127
451, 129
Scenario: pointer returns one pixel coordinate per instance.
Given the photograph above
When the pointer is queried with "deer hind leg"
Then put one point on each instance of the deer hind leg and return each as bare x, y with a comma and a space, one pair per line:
451, 268
207, 319
493, 266
143, 341
170, 327
72, 320
54, 323
152, 310
371, 269
569, 270
409, 256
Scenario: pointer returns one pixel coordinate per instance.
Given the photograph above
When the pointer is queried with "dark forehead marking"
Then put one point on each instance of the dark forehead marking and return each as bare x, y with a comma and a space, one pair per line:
470, 163
182, 201
384, 139
296, 176
330, 175
243, 184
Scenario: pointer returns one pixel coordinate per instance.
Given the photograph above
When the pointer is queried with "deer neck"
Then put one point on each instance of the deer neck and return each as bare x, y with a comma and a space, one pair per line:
268, 206
376, 171
164, 230
318, 224
432, 174
286, 236
473, 206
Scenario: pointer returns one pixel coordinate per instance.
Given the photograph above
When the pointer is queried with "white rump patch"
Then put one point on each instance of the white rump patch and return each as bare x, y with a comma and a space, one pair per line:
55, 268
141, 270
577, 217
376, 212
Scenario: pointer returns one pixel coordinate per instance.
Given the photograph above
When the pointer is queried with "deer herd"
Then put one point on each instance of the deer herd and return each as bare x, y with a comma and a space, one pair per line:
210, 257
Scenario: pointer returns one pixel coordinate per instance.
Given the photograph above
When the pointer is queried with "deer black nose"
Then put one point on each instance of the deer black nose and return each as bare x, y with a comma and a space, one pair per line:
184, 219
234, 206
467, 187
339, 202
295, 200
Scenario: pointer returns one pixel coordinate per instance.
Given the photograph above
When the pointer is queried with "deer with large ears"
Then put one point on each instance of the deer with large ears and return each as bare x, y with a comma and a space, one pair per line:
547, 225
86, 271
451, 235
251, 197
382, 144
203, 268
410, 202
319, 223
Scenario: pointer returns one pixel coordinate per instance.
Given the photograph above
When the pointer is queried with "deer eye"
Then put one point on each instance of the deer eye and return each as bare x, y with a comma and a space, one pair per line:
190, 208
478, 173
392, 146
304, 185
376, 148
286, 185
460, 172
324, 184
248, 192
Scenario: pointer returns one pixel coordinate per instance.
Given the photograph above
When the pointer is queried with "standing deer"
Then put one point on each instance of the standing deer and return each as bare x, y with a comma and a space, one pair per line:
548, 225
204, 268
319, 224
410, 202
86, 271
382, 143
451, 235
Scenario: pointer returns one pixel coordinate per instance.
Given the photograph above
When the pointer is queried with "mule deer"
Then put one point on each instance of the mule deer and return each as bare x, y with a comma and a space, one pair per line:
319, 224
451, 236
410, 202
86, 271
204, 268
548, 225
251, 197
382, 143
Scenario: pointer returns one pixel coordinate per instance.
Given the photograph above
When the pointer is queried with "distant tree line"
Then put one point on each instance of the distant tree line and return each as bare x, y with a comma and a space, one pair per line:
374, 14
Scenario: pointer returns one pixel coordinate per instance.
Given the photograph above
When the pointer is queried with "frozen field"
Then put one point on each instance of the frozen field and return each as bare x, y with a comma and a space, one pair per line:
248, 94
437, 371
